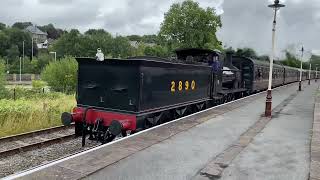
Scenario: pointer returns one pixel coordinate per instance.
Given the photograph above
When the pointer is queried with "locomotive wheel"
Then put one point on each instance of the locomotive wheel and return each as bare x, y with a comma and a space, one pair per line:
107, 137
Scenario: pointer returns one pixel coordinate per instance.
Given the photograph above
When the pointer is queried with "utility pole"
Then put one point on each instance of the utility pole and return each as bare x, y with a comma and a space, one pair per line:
20, 69
31, 48
22, 54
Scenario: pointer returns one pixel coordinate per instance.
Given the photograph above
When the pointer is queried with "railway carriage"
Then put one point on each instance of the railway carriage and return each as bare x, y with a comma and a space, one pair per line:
255, 73
291, 74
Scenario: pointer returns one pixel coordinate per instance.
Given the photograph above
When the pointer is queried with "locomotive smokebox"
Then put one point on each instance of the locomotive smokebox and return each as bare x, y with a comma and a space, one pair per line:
66, 118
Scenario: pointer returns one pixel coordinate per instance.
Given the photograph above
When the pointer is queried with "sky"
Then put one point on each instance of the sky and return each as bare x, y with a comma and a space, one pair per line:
245, 23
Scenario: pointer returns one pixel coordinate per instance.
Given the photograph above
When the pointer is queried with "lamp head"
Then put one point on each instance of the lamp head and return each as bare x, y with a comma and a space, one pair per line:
276, 5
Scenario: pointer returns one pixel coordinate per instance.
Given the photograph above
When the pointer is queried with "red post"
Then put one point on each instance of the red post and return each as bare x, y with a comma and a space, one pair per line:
268, 104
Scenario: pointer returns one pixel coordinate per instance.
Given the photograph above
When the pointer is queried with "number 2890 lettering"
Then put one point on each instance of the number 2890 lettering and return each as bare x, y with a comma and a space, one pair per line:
182, 85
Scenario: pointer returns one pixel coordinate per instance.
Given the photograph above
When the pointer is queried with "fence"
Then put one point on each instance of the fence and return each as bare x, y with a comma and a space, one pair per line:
24, 77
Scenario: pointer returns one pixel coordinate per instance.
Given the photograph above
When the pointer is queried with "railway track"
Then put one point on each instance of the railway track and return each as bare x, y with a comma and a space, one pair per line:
11, 145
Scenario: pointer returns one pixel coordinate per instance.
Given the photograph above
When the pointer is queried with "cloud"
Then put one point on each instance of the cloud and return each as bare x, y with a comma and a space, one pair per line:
249, 25
245, 23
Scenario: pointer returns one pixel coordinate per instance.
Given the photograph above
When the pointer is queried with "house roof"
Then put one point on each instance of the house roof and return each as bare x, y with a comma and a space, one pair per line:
35, 30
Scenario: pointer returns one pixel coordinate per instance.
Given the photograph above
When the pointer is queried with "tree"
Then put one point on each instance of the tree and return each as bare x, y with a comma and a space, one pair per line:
21, 25
189, 25
264, 58
76, 44
4, 43
3, 91
156, 50
52, 32
17, 36
61, 75
121, 48
246, 52
315, 61
69, 44
13, 54
135, 38
291, 60
150, 38
2, 26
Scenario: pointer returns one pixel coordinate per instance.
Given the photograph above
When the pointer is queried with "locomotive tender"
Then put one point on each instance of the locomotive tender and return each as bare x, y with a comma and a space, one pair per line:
120, 96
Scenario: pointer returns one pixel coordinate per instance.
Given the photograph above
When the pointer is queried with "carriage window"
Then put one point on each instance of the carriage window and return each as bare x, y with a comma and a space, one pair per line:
259, 73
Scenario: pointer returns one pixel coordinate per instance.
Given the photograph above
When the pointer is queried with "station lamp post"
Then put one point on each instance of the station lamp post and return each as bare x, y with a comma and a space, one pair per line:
301, 68
316, 72
276, 6
309, 71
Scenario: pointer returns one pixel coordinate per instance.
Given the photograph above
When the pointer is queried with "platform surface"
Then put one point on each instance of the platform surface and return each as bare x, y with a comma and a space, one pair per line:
181, 149
282, 149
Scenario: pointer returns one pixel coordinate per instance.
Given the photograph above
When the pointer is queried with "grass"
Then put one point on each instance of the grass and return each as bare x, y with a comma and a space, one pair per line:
32, 111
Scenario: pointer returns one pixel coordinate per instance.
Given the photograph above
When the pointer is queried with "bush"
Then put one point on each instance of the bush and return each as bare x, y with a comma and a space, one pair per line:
3, 91
38, 84
61, 76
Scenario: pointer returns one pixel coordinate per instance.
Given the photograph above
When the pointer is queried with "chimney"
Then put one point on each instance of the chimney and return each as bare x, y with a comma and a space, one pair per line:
228, 59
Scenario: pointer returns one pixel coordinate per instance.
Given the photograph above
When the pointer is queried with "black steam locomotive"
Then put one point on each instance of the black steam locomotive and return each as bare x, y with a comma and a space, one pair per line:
119, 96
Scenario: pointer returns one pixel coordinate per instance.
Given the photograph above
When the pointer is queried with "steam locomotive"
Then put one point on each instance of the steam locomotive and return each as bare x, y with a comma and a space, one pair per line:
117, 97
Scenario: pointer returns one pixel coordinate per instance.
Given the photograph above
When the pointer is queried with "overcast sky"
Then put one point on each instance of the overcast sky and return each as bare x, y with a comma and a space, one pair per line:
245, 23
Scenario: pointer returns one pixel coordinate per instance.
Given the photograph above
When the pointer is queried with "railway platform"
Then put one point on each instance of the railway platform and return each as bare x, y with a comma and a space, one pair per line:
230, 141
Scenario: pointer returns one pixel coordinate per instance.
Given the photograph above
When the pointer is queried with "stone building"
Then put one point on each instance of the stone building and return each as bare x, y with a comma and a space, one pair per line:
39, 37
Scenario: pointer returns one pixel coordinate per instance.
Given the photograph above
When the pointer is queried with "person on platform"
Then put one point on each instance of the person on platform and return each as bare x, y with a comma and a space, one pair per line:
99, 55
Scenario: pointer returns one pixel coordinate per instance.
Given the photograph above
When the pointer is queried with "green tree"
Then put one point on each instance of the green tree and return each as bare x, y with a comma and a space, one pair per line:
315, 61
13, 54
21, 25
4, 43
157, 50
3, 91
188, 25
61, 76
97, 38
135, 38
2, 26
52, 32
264, 58
291, 60
76, 44
69, 44
40, 62
17, 36
2, 73
121, 47
150, 38
246, 52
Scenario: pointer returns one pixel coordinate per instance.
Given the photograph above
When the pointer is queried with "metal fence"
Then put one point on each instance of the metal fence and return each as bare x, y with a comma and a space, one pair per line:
26, 79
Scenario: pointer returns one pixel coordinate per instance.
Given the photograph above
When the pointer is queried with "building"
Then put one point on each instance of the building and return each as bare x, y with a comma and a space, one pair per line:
39, 37
136, 44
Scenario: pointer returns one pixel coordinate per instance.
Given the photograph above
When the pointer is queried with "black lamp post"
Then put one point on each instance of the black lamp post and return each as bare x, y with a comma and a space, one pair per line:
301, 68
276, 6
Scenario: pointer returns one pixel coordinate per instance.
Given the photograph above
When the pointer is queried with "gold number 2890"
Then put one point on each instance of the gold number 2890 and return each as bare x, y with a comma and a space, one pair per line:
186, 85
